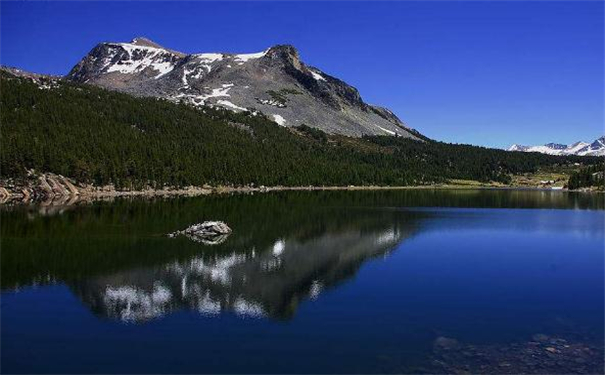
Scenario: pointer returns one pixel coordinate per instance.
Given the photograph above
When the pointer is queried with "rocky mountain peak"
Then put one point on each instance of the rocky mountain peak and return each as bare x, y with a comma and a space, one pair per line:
285, 52
275, 82
145, 42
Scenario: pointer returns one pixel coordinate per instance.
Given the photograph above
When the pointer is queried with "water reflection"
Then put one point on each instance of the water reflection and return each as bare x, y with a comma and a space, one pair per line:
285, 247
269, 281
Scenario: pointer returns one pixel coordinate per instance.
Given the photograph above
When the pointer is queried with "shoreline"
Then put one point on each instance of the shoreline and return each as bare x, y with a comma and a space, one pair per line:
61, 191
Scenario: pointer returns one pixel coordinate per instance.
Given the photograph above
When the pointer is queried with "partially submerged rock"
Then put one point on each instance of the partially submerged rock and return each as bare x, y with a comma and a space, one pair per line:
208, 232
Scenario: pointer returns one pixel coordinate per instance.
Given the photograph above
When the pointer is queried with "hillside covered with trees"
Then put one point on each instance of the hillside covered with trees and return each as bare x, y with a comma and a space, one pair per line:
100, 137
592, 176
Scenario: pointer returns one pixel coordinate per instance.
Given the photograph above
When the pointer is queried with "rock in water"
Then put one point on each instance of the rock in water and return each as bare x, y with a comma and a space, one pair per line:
208, 232
211, 228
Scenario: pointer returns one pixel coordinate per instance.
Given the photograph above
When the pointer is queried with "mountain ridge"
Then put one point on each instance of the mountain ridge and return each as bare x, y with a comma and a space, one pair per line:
101, 138
275, 82
595, 148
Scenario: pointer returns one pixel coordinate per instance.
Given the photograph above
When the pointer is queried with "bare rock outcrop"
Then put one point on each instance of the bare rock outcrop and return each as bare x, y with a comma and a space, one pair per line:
208, 232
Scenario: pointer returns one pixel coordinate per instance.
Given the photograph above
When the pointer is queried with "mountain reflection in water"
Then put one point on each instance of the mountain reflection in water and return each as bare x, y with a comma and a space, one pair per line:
269, 281
472, 280
285, 247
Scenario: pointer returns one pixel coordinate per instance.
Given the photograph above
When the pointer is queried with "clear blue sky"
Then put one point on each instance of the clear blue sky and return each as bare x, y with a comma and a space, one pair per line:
487, 73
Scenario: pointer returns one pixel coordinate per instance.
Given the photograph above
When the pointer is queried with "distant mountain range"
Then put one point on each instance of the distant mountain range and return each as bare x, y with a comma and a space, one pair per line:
275, 82
596, 148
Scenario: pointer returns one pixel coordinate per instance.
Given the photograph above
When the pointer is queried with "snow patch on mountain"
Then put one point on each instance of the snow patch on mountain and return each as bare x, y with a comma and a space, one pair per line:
205, 60
209, 57
230, 105
386, 130
218, 92
279, 119
245, 57
272, 102
198, 100
317, 76
577, 147
141, 58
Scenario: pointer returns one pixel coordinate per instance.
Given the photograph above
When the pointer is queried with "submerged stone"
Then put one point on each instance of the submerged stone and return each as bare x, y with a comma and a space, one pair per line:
539, 337
445, 343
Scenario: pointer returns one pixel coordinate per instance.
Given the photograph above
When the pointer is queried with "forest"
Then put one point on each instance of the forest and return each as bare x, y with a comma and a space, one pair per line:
591, 176
98, 136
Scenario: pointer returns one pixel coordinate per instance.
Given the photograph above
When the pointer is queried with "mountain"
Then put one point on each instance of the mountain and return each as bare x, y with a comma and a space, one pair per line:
275, 82
596, 148
108, 139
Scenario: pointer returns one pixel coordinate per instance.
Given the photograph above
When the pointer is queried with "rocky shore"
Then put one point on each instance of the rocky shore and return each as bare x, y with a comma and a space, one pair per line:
51, 189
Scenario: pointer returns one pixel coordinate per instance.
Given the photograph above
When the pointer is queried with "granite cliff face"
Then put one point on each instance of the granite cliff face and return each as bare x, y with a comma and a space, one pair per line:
275, 82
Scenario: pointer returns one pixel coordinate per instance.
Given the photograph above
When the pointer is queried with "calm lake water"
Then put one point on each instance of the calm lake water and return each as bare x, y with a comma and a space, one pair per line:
308, 282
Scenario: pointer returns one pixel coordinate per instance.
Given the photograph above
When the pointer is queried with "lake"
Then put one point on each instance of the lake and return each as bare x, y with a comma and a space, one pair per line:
414, 281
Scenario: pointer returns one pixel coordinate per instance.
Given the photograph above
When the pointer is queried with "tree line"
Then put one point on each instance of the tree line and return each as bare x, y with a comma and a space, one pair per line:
591, 176
100, 137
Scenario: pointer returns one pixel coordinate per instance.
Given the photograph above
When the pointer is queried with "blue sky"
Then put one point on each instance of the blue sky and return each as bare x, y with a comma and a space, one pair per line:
486, 73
